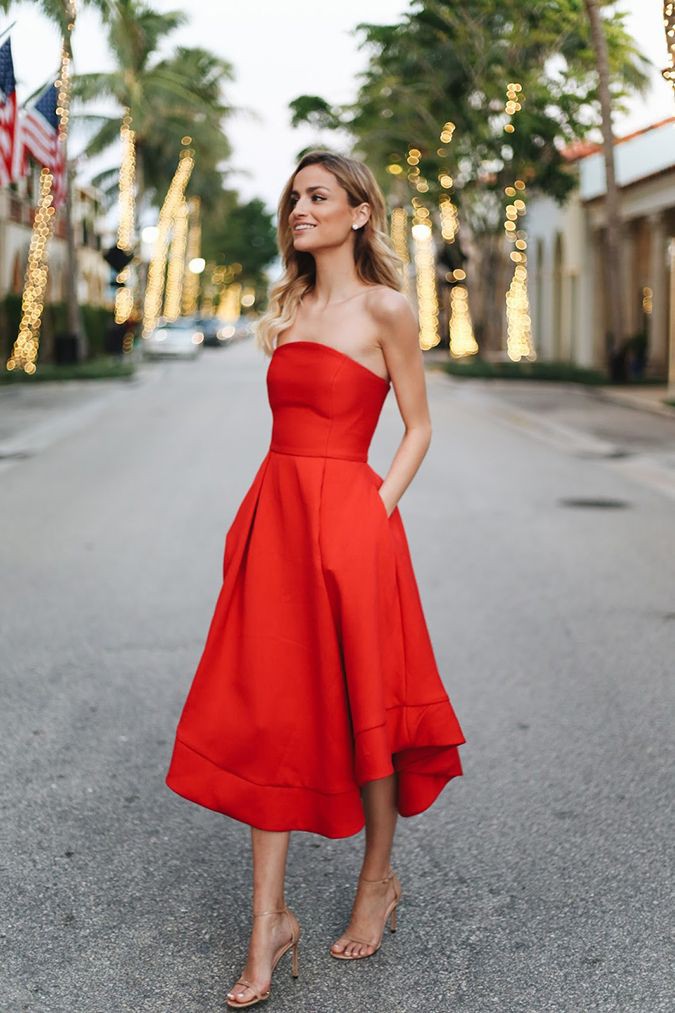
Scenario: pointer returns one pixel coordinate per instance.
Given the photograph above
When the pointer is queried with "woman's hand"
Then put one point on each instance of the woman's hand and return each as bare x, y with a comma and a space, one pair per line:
389, 510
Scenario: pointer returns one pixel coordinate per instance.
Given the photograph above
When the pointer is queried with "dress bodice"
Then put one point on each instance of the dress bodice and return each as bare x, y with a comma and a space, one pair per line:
324, 403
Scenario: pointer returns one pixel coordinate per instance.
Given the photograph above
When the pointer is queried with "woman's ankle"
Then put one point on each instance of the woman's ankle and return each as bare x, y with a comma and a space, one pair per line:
375, 870
263, 904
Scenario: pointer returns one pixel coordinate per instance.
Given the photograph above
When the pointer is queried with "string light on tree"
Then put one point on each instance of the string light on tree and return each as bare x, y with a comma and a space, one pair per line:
425, 274
669, 27
423, 255
448, 211
172, 203
399, 239
230, 302
518, 322
176, 270
514, 100
124, 297
194, 247
211, 291
447, 132
24, 352
519, 340
25, 349
415, 177
462, 340
248, 297
449, 218
127, 201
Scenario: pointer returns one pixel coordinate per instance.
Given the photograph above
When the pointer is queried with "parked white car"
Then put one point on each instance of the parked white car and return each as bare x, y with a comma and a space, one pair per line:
234, 330
181, 338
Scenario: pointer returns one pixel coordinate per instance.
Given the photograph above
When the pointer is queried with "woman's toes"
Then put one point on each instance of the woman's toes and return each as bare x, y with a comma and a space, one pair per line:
238, 995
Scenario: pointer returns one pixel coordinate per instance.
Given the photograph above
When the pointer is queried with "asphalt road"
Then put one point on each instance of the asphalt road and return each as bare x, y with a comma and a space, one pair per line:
539, 881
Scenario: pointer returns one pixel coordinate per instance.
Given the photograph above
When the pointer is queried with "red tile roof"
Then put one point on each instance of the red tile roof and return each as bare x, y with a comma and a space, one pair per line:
582, 148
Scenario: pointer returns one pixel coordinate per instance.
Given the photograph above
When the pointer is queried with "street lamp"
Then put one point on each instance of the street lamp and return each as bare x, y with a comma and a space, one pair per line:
197, 265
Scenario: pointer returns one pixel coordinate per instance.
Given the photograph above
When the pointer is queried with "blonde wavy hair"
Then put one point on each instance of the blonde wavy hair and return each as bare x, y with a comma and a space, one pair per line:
377, 263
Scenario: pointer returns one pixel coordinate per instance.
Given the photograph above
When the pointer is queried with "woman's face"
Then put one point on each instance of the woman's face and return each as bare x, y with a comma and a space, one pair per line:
321, 215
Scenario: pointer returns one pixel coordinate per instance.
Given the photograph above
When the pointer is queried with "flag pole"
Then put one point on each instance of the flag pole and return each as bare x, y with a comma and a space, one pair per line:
38, 91
5, 30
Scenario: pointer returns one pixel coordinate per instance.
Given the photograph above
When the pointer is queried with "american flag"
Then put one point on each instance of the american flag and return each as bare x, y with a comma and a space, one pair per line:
7, 115
40, 138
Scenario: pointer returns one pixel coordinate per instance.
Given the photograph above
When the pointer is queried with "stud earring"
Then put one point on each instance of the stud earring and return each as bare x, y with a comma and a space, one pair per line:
355, 226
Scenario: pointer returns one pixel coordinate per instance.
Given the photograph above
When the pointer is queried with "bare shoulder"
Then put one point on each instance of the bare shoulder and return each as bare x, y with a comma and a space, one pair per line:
386, 303
394, 316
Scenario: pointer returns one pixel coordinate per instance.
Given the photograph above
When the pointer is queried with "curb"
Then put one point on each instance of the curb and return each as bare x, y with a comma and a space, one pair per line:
628, 399
621, 396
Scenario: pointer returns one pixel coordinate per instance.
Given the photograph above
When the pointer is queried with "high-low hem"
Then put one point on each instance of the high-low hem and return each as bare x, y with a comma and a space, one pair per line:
284, 808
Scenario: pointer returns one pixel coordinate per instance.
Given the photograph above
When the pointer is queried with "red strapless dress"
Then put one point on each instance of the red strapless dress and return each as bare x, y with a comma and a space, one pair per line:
318, 673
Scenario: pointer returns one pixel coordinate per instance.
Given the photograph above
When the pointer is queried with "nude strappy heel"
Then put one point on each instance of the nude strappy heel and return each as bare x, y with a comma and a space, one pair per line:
390, 914
291, 945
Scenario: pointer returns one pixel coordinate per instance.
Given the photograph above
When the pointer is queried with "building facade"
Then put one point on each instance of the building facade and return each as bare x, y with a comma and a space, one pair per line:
566, 272
17, 211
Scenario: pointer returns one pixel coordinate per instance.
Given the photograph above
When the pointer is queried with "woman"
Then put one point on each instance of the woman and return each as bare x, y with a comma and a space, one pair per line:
317, 704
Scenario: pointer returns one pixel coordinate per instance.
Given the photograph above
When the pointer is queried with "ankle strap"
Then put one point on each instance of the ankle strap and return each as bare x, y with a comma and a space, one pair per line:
385, 880
274, 911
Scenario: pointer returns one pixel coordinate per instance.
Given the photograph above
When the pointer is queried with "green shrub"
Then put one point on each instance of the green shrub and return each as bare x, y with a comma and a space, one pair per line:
102, 368
554, 371
96, 320
54, 319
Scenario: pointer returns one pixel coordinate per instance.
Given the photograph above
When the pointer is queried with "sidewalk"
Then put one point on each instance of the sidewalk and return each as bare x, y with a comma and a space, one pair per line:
646, 398
649, 398
628, 431
32, 417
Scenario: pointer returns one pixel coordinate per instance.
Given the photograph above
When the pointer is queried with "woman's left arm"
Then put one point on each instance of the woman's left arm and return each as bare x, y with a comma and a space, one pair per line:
401, 349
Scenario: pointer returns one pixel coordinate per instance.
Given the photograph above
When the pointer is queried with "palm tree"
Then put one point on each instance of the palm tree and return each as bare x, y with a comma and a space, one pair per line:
57, 10
447, 60
165, 98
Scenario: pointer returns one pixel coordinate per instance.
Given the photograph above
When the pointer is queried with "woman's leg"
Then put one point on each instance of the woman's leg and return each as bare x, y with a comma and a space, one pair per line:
269, 850
379, 806
372, 899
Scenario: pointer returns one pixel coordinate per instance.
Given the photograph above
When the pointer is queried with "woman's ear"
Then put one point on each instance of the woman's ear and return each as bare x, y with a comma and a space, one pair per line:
363, 217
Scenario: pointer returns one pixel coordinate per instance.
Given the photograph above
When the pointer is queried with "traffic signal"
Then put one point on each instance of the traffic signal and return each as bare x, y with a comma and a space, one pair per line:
118, 258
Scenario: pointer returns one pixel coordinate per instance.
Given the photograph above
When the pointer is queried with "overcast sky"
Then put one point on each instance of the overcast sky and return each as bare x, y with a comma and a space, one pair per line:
281, 49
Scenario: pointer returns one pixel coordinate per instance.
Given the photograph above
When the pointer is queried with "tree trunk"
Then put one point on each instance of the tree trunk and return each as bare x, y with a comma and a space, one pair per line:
487, 286
141, 268
74, 315
612, 205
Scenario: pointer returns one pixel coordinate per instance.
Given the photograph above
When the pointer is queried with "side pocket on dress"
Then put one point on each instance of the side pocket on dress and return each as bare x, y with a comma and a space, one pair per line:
383, 508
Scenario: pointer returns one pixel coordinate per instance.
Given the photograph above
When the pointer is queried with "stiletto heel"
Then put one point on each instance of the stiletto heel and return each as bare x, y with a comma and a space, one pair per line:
389, 915
292, 945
